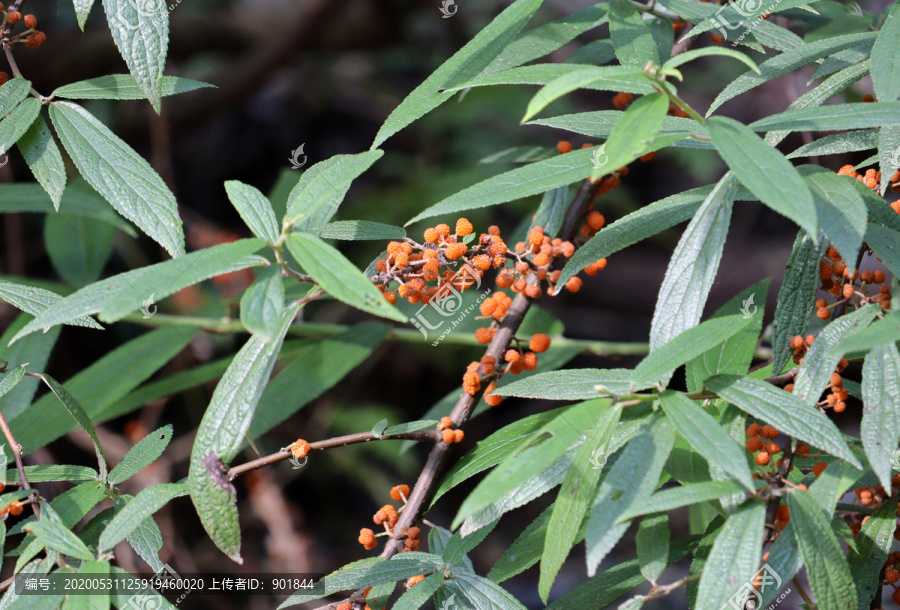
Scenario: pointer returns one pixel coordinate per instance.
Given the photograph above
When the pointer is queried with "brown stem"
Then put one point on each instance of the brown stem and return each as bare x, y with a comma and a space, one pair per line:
17, 455
339, 441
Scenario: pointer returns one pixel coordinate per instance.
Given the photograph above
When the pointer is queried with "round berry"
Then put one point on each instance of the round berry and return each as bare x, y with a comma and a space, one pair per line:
414, 580
448, 436
529, 361
445, 423
299, 448
539, 343
399, 492
563, 146
432, 235
596, 221
511, 355
574, 284
823, 313
762, 458
536, 236
622, 99
13, 17
819, 468
30, 21
367, 538
754, 443
463, 227
458, 436
484, 335
481, 262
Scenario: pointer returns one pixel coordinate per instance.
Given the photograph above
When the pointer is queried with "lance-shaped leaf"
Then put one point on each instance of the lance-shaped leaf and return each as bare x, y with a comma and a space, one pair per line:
17, 123
783, 410
826, 566
880, 332
734, 558
683, 58
356, 230
835, 117
44, 159
119, 174
888, 150
684, 495
141, 33
34, 300
466, 63
254, 208
486, 595
79, 415
707, 436
825, 353
600, 124
693, 266
117, 296
124, 87
652, 539
839, 143
221, 433
339, 277
873, 543
570, 384
145, 504
763, 170
573, 81
630, 36
886, 58
635, 474
633, 134
880, 427
60, 539
141, 455
263, 303
11, 93
9, 380
795, 306
544, 74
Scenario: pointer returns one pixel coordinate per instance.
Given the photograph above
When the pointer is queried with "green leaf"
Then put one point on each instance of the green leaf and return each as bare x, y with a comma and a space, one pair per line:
11, 379
796, 297
79, 247
412, 426
477, 54
147, 541
888, 157
12, 93
17, 123
634, 475
663, 360
571, 384
82, 10
734, 558
833, 117
573, 81
320, 365
97, 599
339, 277
545, 39
417, 595
693, 266
841, 212
707, 436
886, 58
117, 296
543, 74
357, 230
873, 543
521, 154
141, 455
597, 53
574, 499
637, 226
785, 63
486, 595
33, 300
819, 362
630, 36
886, 244
633, 134
458, 546
684, 495
79, 415
652, 541
880, 427
827, 570
600, 124
263, 304
315, 199
100, 386
254, 208
221, 434
145, 504
564, 431
783, 410
683, 58
59, 538
33, 351
881, 332
124, 87
142, 37
44, 159
736, 354
839, 143
43, 473
764, 171
119, 174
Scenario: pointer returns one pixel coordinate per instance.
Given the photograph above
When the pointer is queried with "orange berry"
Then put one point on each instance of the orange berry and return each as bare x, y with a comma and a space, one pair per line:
414, 580
4, 77
443, 230
716, 39
458, 436
455, 251
529, 361
511, 355
878, 276
345, 606
448, 436
892, 575
754, 443
539, 343
823, 313
299, 448
35, 40
432, 235
493, 399
13, 17
398, 492
762, 458
536, 236
769, 432
367, 538
463, 227
622, 99
533, 291
541, 260
484, 335
839, 406
847, 170
30, 21
819, 468
650, 155
574, 284
445, 423
563, 146
481, 262
773, 448
596, 221
753, 429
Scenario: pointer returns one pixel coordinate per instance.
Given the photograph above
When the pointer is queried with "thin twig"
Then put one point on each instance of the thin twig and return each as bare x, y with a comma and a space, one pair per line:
17, 455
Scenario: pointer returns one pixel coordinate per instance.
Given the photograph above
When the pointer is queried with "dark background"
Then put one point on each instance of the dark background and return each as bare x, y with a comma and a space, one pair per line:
326, 74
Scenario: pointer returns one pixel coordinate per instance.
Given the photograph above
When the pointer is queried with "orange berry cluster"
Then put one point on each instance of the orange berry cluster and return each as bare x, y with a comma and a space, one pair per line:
299, 448
445, 426
31, 37
516, 361
871, 178
837, 398
414, 580
387, 516
840, 282
14, 508
755, 443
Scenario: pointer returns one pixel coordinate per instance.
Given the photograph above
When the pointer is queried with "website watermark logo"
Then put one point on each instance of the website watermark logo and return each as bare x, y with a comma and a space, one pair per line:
748, 309
149, 598
447, 301
895, 157
750, 594
4, 160
296, 464
148, 309
446, 5
745, 8
448, 603
895, 460
599, 457
124, 20
599, 158
296, 163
